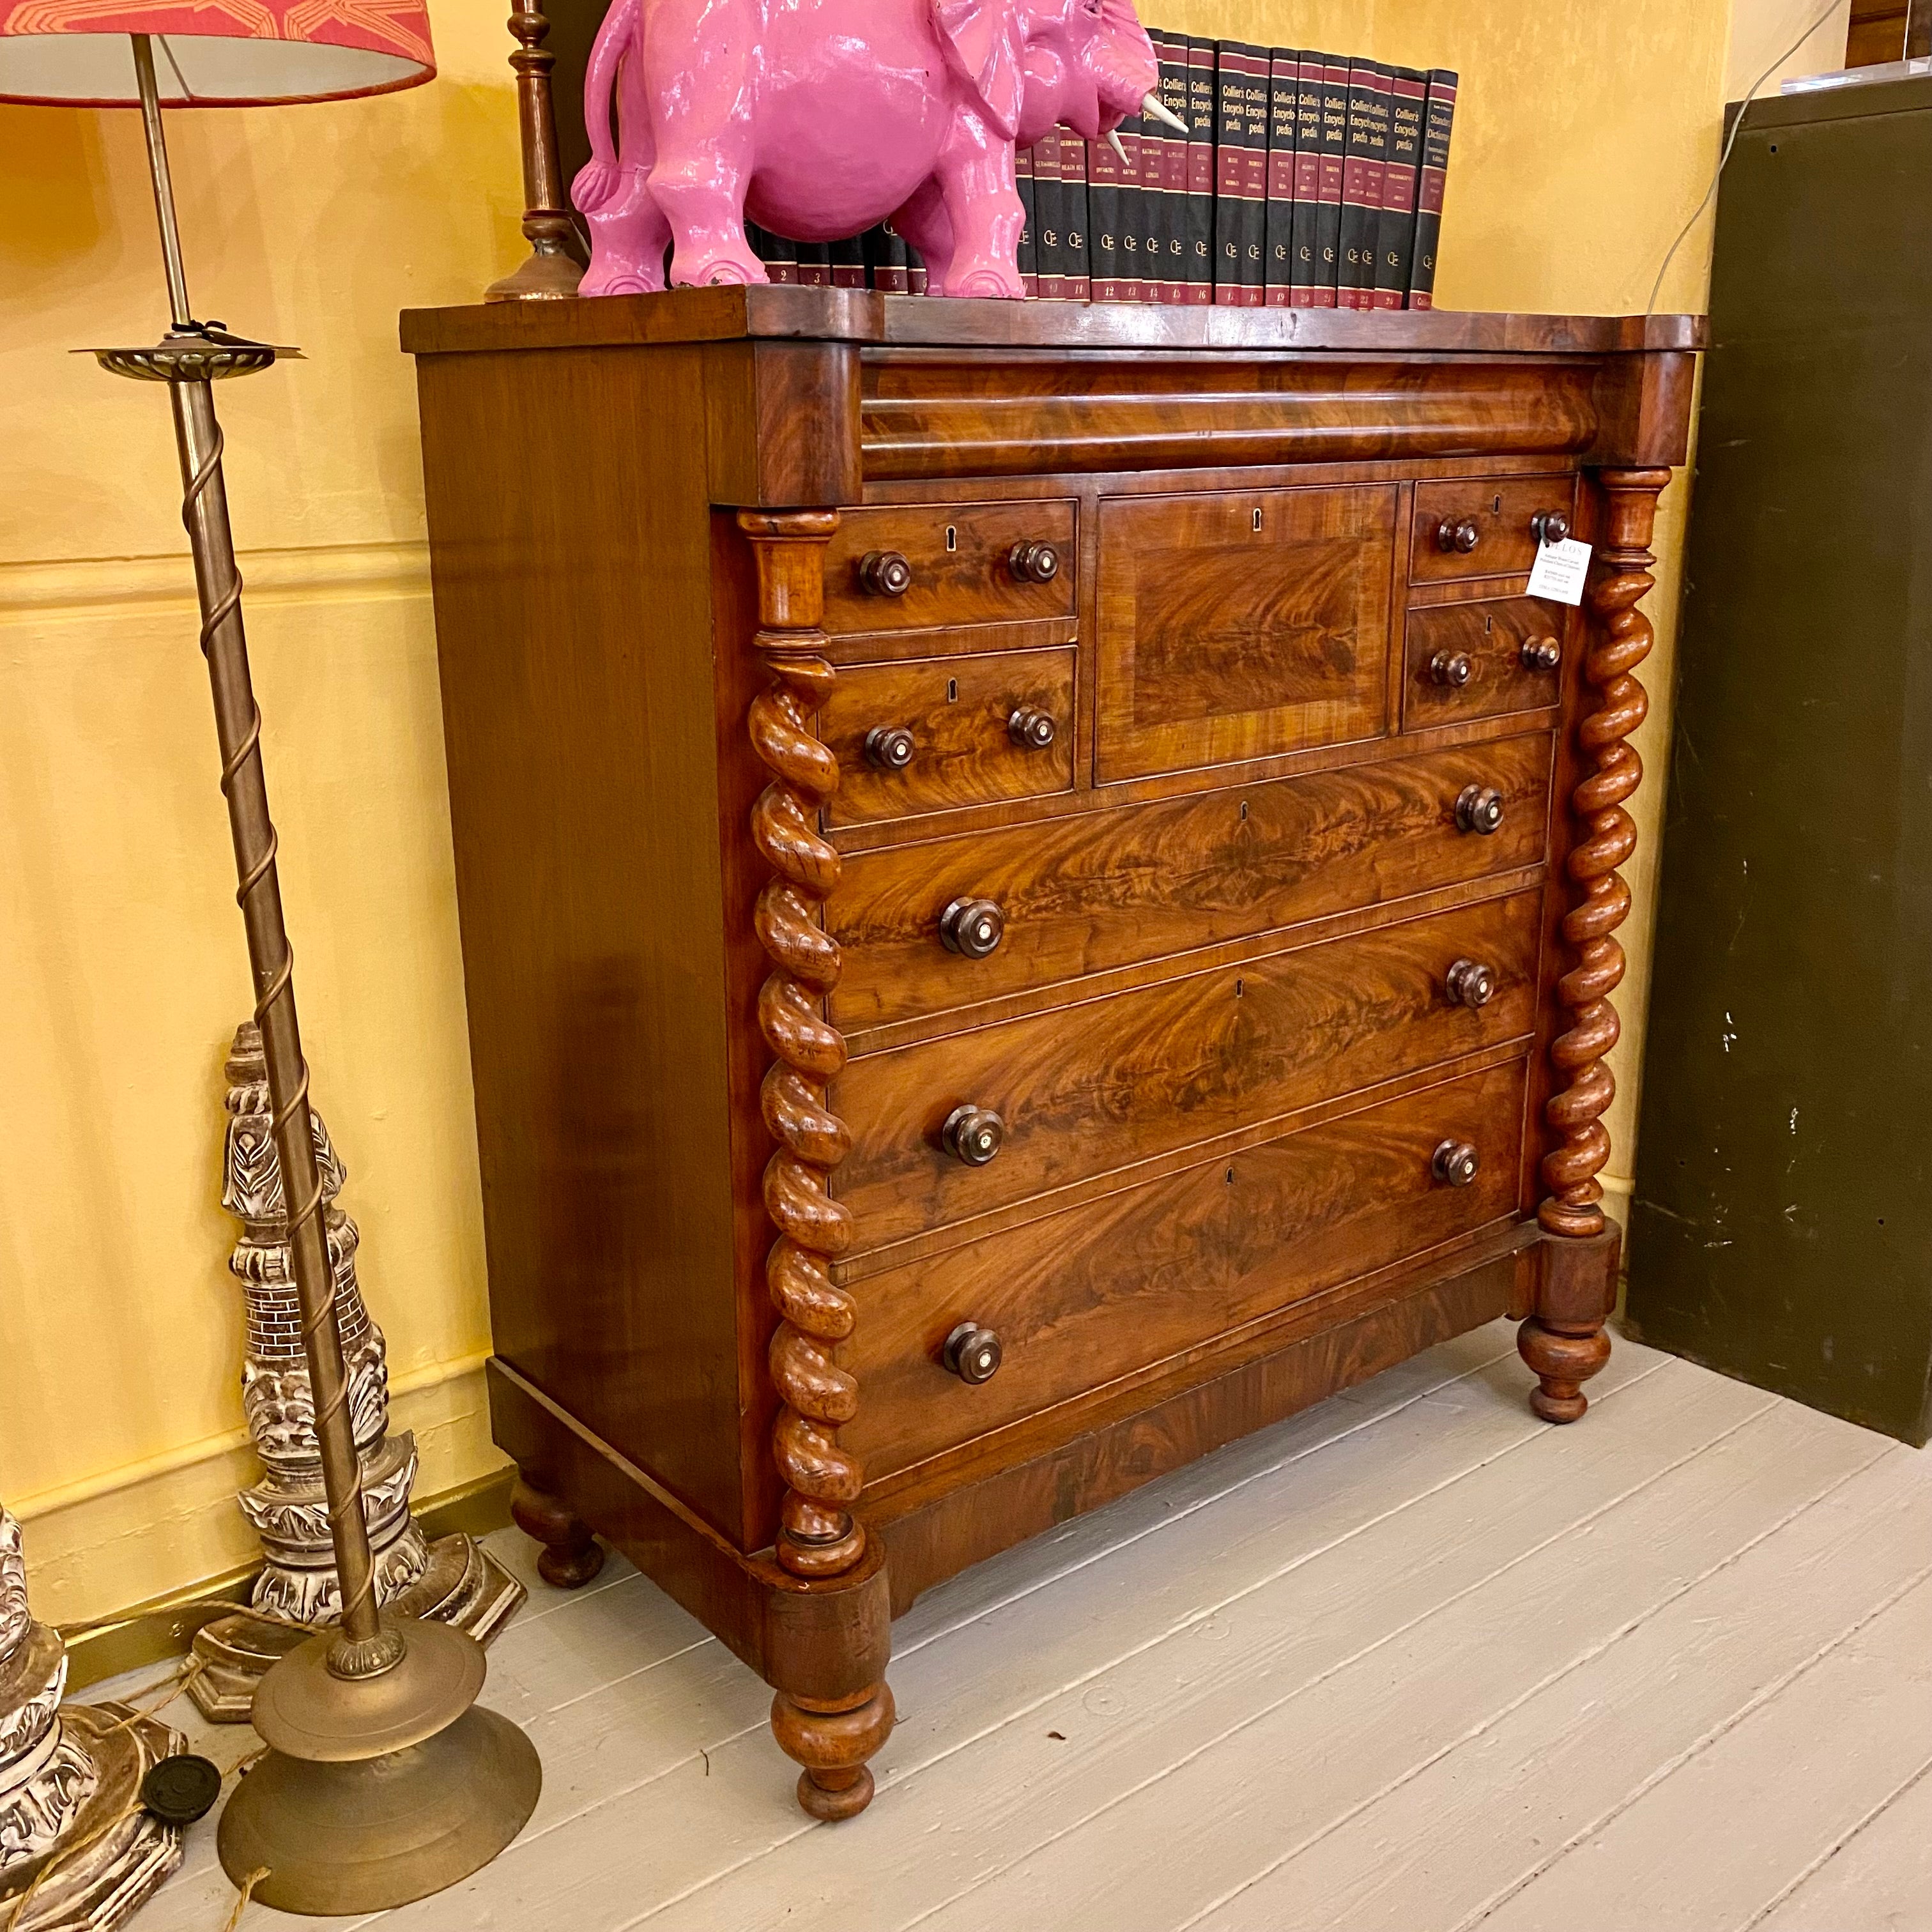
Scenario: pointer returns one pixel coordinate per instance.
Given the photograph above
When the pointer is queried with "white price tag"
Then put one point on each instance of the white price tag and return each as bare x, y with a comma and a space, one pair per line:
1560, 570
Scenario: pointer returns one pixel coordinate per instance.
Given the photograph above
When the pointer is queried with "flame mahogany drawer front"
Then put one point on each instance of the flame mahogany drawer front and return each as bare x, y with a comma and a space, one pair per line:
953, 1128
1484, 659
995, 962
1078, 1298
1239, 625
916, 567
1095, 890
934, 733
1487, 528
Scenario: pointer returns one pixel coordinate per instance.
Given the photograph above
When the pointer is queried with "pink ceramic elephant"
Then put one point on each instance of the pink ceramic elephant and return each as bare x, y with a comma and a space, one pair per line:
820, 118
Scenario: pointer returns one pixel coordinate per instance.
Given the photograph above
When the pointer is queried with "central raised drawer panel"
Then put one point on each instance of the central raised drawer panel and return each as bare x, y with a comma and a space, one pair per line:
1095, 890
1116, 1285
1101, 1085
1240, 626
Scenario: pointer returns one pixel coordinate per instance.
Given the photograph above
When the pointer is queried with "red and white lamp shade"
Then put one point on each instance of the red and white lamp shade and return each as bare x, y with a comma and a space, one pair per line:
212, 53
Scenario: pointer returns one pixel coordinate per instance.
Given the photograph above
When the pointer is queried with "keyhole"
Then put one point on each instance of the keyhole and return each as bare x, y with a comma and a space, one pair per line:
1230, 1177
1241, 986
1488, 625
1244, 810
952, 534
953, 690
1496, 508
1258, 519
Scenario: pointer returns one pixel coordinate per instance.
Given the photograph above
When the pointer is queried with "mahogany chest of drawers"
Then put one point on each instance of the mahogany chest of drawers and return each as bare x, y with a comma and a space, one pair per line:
1036, 894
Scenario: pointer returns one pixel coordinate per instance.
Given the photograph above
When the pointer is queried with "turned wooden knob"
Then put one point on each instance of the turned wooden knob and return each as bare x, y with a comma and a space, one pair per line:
889, 748
1471, 983
1479, 809
972, 1353
885, 573
1034, 562
973, 1134
972, 927
1031, 728
1541, 654
1462, 535
1451, 668
1549, 526
1456, 1163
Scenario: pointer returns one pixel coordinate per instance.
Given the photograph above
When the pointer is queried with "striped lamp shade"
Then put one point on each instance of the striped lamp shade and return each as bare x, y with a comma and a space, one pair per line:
212, 53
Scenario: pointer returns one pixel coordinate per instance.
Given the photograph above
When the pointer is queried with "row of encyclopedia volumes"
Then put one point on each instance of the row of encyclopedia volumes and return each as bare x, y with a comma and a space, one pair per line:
1306, 180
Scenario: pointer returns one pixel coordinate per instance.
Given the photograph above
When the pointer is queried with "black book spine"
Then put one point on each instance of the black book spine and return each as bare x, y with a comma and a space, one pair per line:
1200, 285
1361, 180
1255, 94
1076, 275
848, 263
1438, 122
1049, 200
887, 257
1154, 138
1284, 81
916, 273
1408, 94
1230, 145
1132, 219
1028, 258
1175, 84
815, 266
1333, 175
1103, 220
1305, 242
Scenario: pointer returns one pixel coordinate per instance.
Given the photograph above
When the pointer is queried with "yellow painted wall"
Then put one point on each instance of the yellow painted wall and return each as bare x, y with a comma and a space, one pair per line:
1584, 137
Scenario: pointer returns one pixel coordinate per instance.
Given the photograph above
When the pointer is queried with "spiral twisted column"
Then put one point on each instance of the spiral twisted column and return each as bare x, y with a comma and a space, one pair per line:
1565, 1343
819, 1539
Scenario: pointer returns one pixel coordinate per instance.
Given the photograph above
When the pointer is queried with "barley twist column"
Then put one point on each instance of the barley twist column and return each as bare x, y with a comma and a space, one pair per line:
818, 1537
1566, 1345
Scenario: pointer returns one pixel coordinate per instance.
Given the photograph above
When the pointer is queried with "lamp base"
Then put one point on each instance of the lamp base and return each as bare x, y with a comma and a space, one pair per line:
464, 1586
377, 1791
549, 273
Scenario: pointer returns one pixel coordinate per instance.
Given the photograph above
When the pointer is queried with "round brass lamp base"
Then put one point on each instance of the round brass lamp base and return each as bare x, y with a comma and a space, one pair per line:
432, 1791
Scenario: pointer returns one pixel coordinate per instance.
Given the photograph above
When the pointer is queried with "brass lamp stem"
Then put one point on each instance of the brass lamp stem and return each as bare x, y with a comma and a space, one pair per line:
364, 1647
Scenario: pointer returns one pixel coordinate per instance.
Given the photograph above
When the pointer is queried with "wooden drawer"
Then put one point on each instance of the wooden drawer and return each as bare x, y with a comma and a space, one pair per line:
966, 747
1484, 644
1240, 625
1098, 889
1081, 1298
960, 556
1502, 511
1095, 1086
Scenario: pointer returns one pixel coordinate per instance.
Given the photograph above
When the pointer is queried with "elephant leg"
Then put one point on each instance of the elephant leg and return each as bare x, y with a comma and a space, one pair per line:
983, 207
629, 237
702, 193
925, 223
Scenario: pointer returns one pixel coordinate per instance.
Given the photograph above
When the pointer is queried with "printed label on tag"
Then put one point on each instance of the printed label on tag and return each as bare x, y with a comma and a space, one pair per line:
1561, 568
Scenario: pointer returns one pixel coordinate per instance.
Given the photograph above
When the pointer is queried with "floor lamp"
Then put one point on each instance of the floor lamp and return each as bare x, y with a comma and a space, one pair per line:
382, 1782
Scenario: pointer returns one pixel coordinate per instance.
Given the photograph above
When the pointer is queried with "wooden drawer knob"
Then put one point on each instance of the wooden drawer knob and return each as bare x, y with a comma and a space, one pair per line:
1549, 526
889, 748
972, 1353
1031, 728
973, 1134
1452, 668
885, 573
1034, 562
1456, 1163
1471, 983
1541, 654
1479, 809
973, 927
1461, 535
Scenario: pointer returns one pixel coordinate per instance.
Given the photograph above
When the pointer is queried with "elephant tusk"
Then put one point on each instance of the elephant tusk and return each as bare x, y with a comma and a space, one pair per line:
1151, 106
1120, 147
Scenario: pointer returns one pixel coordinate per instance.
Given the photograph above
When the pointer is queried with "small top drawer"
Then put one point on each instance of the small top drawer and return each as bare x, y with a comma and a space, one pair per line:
1480, 527
918, 566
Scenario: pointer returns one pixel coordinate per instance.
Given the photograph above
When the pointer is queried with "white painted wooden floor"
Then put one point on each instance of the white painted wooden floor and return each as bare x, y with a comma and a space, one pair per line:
1413, 1661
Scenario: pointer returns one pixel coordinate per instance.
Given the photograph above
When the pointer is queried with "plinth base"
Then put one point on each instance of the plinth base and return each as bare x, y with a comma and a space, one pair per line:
104, 1885
464, 1587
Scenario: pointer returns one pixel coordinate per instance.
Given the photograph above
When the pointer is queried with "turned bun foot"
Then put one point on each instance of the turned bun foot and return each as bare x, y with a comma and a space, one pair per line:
833, 1740
1564, 1360
572, 1555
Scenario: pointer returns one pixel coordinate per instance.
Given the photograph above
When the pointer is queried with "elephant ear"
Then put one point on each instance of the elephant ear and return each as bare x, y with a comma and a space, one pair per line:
986, 44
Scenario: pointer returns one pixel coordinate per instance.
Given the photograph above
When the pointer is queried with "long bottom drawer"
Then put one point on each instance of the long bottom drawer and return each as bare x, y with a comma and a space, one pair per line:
1080, 1298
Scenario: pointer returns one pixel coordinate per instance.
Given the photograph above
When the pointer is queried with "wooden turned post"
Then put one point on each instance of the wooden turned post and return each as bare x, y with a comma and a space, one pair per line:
1563, 1341
818, 1537
553, 267
572, 1555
